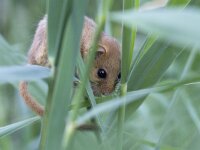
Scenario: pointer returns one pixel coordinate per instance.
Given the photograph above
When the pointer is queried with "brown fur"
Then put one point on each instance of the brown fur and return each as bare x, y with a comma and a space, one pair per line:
29, 100
38, 54
108, 59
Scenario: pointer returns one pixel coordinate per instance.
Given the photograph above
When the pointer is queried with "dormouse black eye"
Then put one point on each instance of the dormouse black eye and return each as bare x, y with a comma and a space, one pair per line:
119, 75
102, 73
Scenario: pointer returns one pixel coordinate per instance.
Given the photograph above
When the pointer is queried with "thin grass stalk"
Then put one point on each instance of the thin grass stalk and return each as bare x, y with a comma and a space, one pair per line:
91, 99
121, 116
81, 89
128, 43
133, 35
88, 88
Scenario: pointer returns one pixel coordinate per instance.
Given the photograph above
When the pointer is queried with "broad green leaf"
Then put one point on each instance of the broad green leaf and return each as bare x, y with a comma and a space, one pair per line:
57, 18
152, 65
150, 69
27, 73
60, 88
175, 25
150, 40
9, 129
128, 41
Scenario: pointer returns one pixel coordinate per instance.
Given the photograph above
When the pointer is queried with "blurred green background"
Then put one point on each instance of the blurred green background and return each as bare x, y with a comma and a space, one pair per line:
18, 21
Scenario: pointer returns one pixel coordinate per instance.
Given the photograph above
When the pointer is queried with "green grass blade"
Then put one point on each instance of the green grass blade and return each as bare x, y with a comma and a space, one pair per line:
133, 97
126, 54
152, 65
150, 40
178, 26
128, 42
57, 18
112, 104
81, 67
27, 73
60, 96
89, 62
9, 129
162, 58
88, 88
150, 69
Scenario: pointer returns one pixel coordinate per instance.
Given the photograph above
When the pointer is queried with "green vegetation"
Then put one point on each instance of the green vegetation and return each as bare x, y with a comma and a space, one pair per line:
154, 107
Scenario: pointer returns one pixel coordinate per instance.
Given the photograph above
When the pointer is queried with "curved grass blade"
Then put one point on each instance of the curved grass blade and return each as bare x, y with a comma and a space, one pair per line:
152, 65
150, 69
132, 97
178, 26
9, 129
18, 73
128, 43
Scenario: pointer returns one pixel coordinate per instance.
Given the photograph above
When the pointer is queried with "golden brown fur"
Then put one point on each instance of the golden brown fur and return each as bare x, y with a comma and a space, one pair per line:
108, 59
110, 62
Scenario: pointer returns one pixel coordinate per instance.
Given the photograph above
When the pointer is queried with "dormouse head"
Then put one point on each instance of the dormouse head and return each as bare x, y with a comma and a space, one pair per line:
105, 73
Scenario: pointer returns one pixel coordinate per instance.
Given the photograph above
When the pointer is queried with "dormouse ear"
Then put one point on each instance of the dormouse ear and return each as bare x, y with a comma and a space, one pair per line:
101, 50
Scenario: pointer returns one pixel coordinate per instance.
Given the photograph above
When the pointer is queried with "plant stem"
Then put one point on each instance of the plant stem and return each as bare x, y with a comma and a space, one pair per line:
121, 115
128, 43
133, 36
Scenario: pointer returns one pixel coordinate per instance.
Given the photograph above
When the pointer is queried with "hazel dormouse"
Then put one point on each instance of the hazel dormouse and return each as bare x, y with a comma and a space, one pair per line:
105, 72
